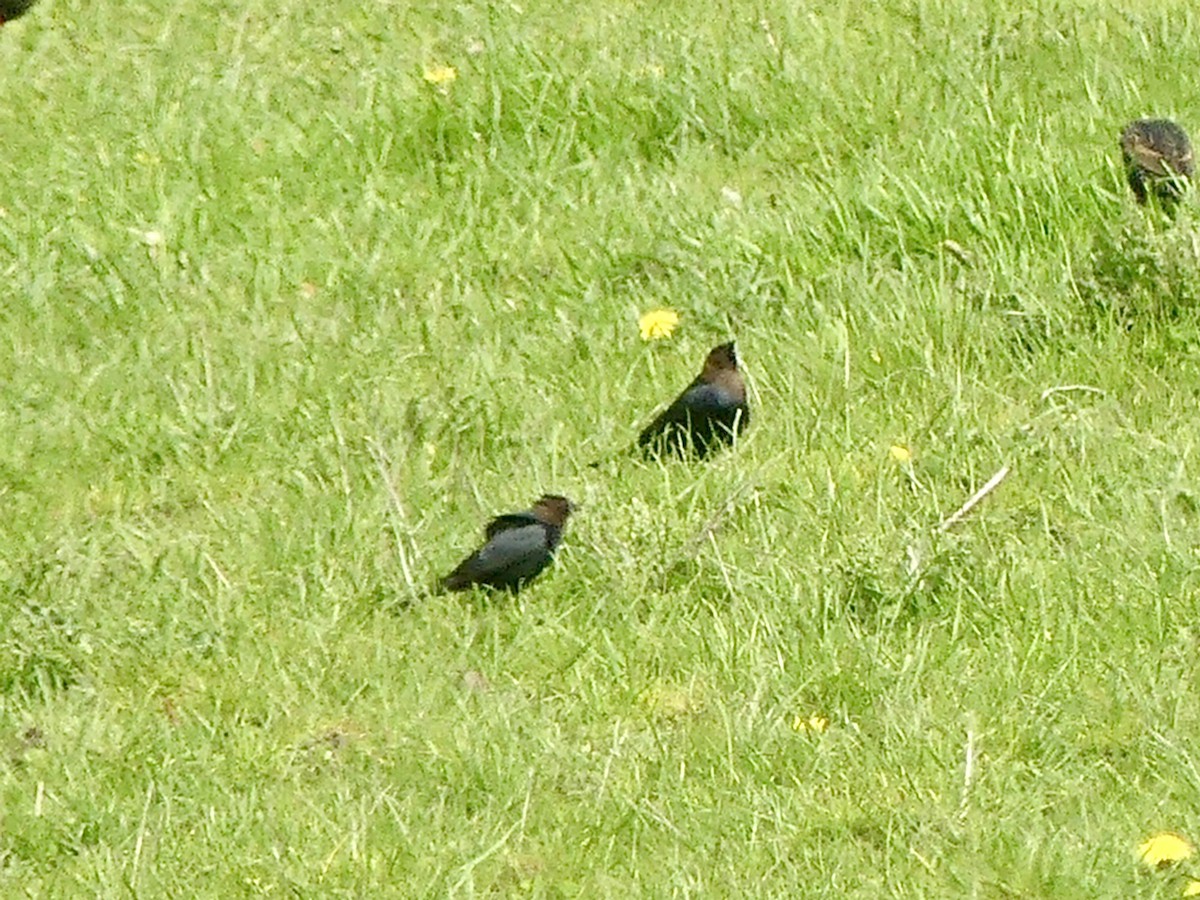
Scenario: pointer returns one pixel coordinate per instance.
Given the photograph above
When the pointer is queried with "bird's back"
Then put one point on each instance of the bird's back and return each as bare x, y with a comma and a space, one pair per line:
510, 557
704, 415
1158, 146
1158, 159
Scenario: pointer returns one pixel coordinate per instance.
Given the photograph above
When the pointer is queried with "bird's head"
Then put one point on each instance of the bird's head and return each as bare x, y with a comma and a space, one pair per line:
553, 509
721, 358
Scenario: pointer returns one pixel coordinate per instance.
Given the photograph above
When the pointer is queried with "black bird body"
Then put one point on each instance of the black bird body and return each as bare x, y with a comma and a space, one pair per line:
518, 547
1158, 160
707, 415
13, 9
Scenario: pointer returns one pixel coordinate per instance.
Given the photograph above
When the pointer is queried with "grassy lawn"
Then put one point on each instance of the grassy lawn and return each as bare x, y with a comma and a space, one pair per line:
296, 296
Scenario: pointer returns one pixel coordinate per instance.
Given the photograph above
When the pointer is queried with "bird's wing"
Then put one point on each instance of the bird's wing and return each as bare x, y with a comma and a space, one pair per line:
516, 552
509, 521
675, 414
514, 543
1145, 157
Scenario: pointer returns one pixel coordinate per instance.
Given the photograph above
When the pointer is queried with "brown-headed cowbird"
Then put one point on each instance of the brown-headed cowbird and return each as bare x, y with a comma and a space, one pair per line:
518, 546
705, 416
1158, 160
13, 9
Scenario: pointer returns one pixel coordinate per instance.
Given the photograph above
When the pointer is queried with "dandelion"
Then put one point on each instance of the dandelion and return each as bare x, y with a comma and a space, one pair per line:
658, 323
1192, 888
814, 724
440, 74
441, 77
900, 454
1164, 849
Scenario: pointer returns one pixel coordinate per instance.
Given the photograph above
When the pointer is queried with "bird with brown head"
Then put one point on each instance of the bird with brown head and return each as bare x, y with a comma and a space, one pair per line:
709, 413
517, 547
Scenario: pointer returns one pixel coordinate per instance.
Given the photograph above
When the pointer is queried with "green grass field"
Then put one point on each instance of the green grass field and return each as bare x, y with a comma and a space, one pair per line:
285, 321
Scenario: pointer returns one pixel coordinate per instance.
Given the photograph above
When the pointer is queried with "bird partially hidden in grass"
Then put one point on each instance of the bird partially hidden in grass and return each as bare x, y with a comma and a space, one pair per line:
13, 9
707, 415
518, 547
1158, 161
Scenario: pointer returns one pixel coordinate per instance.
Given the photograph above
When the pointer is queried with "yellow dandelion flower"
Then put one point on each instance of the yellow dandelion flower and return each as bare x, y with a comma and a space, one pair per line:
1164, 849
900, 453
658, 323
440, 76
814, 724
1192, 888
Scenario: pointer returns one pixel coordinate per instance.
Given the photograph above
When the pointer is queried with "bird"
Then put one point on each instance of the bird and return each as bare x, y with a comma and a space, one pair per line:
707, 415
13, 9
1158, 160
517, 547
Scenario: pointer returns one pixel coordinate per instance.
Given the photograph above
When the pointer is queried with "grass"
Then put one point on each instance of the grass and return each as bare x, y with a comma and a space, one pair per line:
284, 323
